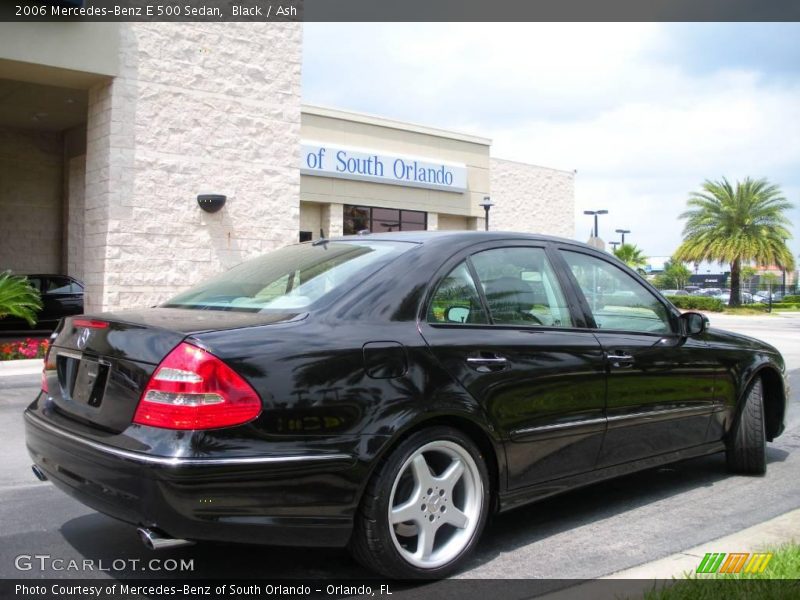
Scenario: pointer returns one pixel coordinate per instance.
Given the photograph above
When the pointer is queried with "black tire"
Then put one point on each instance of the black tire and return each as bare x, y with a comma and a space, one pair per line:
747, 445
379, 545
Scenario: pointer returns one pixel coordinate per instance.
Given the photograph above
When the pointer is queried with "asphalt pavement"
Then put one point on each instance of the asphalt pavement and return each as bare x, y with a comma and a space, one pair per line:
588, 533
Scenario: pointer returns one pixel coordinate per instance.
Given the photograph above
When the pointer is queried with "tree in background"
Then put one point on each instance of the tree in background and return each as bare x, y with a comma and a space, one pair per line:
736, 225
769, 281
18, 298
674, 276
748, 273
630, 255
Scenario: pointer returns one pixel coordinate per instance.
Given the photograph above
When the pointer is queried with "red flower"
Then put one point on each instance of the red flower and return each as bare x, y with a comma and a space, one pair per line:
28, 348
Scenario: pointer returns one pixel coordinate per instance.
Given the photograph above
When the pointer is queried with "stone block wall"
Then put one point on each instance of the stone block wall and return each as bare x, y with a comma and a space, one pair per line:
532, 199
197, 108
76, 178
31, 168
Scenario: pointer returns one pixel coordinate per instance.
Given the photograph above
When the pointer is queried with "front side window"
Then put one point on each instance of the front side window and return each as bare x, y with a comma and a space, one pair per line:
292, 278
521, 287
616, 299
456, 300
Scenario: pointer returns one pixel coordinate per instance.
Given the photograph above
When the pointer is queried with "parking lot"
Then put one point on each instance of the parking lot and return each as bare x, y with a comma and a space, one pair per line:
584, 534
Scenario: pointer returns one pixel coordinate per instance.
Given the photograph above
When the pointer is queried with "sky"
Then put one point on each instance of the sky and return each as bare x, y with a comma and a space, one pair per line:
644, 112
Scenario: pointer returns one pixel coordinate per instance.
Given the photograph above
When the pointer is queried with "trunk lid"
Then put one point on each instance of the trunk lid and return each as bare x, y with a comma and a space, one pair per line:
100, 364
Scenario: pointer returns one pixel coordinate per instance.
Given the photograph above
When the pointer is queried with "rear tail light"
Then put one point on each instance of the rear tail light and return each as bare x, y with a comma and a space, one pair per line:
49, 365
193, 389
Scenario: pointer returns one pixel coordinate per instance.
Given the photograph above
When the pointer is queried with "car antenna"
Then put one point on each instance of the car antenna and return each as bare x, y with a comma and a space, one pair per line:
321, 241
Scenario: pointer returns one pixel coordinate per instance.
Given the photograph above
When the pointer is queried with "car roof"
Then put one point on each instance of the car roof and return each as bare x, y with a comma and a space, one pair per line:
41, 275
456, 236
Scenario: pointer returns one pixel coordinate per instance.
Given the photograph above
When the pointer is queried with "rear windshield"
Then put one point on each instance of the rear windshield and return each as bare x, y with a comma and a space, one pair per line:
292, 278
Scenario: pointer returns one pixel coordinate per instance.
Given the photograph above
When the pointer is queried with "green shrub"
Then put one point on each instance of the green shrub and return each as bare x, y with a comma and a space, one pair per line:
791, 299
787, 305
697, 303
18, 298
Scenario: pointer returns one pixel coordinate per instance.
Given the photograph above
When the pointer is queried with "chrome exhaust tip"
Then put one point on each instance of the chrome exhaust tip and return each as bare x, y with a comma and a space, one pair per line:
40, 475
157, 541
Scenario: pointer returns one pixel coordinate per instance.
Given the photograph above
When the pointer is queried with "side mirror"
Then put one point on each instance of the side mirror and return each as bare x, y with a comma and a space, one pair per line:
456, 314
694, 323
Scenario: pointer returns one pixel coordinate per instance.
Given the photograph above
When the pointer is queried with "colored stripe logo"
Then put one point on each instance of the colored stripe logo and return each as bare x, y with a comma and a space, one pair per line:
735, 562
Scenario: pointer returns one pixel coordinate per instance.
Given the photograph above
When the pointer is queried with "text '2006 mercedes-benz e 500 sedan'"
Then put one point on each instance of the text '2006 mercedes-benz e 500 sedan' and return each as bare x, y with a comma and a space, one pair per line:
388, 392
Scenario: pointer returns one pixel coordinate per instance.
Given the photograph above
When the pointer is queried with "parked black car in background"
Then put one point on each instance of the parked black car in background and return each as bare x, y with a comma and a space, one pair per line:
388, 392
62, 296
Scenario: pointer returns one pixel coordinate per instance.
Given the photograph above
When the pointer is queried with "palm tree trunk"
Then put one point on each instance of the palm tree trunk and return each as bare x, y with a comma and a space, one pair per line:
736, 296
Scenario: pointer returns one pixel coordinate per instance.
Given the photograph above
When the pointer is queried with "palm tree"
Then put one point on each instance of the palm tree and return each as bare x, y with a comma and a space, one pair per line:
630, 255
18, 298
736, 225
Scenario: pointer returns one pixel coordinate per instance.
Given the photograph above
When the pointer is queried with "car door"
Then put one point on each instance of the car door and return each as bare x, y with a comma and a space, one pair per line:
660, 382
500, 323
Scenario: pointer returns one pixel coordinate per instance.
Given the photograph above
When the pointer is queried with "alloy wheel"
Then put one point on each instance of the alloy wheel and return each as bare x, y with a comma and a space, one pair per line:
435, 504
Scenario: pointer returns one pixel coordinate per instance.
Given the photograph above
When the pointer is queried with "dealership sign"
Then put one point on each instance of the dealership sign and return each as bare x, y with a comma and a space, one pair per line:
326, 160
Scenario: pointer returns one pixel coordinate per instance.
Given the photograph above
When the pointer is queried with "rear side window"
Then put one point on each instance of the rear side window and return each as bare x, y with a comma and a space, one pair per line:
35, 283
456, 300
521, 287
292, 278
61, 285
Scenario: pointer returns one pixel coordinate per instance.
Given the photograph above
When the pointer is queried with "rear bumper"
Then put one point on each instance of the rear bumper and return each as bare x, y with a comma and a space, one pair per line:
304, 500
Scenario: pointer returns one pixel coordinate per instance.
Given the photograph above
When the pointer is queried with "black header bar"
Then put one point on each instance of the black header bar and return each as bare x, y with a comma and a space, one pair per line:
400, 10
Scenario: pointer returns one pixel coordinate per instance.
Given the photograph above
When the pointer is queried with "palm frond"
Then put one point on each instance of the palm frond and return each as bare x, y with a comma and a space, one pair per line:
18, 298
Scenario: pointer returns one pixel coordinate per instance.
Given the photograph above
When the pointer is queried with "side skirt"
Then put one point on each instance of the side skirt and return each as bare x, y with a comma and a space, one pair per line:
540, 491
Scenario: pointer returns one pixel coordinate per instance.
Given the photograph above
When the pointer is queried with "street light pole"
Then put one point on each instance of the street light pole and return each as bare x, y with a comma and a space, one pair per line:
783, 283
486, 204
595, 213
614, 244
623, 232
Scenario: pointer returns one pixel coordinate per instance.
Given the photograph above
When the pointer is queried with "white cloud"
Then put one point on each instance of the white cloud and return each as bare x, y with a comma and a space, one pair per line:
642, 130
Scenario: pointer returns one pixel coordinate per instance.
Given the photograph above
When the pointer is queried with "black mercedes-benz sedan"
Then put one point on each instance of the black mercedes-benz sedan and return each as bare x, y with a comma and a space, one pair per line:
388, 393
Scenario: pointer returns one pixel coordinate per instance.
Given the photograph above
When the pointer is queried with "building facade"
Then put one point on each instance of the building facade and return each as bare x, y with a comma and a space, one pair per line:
104, 149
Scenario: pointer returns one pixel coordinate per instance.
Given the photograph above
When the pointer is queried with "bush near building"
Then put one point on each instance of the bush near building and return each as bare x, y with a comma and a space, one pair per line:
18, 298
697, 303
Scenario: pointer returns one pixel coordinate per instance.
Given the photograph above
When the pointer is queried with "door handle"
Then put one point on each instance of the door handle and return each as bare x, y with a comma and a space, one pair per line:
487, 360
487, 364
620, 360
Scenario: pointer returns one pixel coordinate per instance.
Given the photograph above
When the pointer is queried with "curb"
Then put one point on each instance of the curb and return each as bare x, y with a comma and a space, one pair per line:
21, 367
780, 530
642, 578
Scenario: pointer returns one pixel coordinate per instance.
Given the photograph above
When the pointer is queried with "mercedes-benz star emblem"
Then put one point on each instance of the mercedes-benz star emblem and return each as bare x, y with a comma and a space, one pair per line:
83, 338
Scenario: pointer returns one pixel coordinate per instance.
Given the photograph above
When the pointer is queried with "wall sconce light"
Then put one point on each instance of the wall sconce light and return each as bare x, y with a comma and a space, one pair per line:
211, 203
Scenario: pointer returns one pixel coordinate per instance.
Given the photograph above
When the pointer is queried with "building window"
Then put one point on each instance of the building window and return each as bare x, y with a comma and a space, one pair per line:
376, 220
